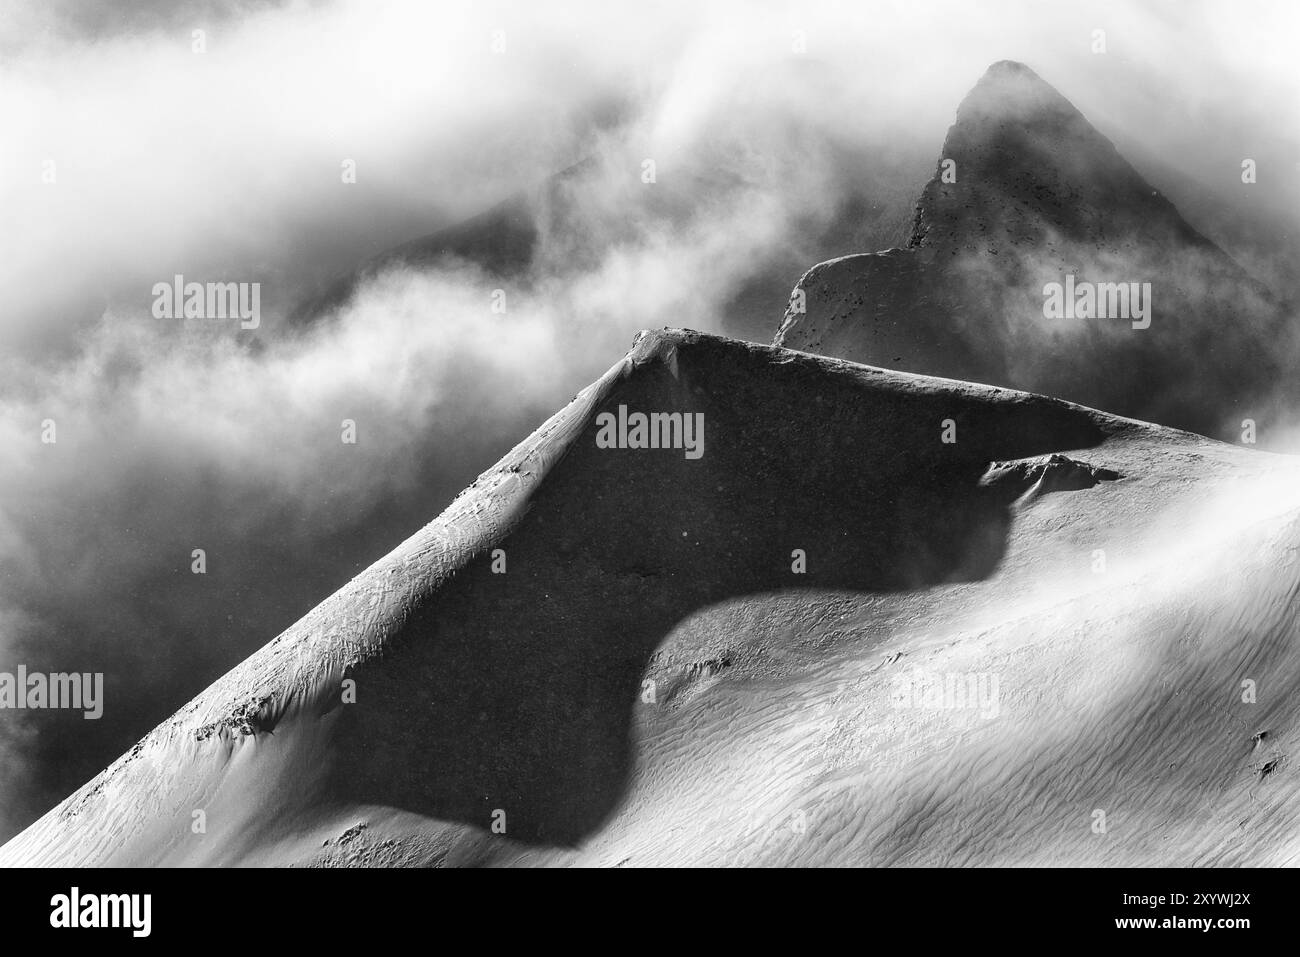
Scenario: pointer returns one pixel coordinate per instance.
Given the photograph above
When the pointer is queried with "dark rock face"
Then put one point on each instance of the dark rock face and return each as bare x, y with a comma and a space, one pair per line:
1027, 193
1031, 168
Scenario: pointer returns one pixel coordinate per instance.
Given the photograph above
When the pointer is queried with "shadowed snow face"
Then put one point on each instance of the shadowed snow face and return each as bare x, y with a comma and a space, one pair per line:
129, 158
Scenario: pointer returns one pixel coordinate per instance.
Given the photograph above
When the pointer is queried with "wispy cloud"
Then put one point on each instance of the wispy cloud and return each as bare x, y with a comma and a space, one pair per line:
762, 121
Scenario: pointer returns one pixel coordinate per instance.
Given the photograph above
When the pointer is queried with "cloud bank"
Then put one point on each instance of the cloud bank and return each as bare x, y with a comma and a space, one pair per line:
780, 135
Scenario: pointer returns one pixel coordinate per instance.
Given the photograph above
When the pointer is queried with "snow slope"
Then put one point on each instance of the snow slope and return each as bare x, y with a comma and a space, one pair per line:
780, 727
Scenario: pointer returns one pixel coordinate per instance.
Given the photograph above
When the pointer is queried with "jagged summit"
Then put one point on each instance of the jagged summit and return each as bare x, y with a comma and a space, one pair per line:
1028, 196
1010, 93
1028, 162
1011, 90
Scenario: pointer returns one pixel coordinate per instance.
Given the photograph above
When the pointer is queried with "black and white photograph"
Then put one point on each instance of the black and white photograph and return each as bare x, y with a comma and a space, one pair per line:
686, 434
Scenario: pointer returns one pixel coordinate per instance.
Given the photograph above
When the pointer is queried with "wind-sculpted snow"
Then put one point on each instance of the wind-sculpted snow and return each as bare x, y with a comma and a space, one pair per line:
842, 635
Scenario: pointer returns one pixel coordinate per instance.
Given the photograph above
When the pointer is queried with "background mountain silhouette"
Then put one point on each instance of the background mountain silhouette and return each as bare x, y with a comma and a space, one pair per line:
1040, 194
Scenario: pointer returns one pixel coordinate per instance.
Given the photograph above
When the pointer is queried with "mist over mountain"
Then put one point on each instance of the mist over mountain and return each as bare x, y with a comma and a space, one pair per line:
1028, 193
853, 642
779, 138
566, 228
